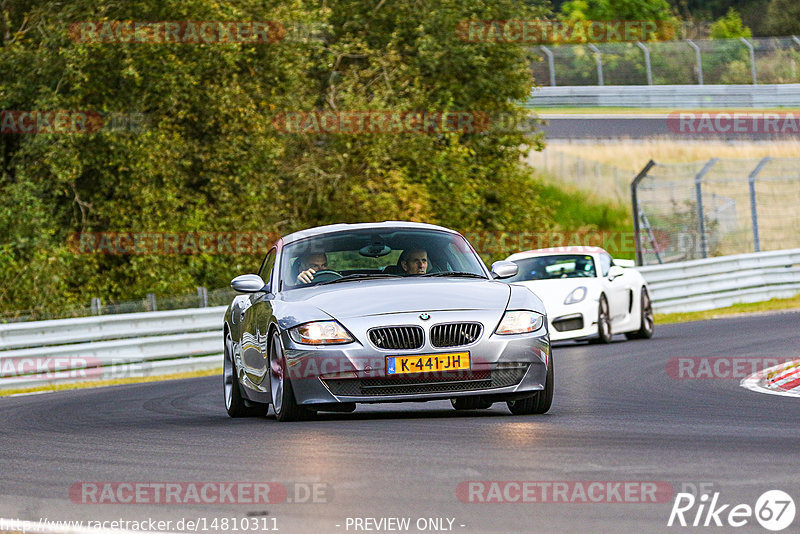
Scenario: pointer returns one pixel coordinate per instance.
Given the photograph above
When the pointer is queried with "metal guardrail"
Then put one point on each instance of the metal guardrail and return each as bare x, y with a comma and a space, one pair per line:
146, 344
110, 347
711, 283
667, 96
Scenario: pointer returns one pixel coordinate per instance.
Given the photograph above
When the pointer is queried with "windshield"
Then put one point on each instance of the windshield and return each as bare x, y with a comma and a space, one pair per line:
550, 267
388, 253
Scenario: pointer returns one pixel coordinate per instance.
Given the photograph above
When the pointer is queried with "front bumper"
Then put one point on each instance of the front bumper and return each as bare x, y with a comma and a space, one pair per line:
356, 372
572, 321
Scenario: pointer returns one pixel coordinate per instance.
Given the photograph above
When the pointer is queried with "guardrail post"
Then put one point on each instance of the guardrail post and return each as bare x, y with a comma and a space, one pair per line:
550, 65
646, 62
752, 59
635, 201
698, 61
97, 306
698, 186
598, 58
202, 295
151, 302
751, 179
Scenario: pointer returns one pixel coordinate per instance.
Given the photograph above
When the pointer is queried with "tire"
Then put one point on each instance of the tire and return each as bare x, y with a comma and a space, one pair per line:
604, 334
470, 403
280, 385
235, 403
647, 324
539, 402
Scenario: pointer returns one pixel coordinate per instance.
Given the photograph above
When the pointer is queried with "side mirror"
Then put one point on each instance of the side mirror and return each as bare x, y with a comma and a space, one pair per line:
625, 263
248, 283
615, 271
504, 269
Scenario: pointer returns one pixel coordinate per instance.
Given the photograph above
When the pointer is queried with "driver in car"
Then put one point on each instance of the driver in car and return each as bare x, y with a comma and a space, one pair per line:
311, 263
414, 261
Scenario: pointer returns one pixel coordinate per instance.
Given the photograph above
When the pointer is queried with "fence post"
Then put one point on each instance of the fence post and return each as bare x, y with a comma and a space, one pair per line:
151, 302
698, 60
646, 62
97, 306
599, 60
635, 201
550, 65
202, 294
752, 59
698, 186
751, 179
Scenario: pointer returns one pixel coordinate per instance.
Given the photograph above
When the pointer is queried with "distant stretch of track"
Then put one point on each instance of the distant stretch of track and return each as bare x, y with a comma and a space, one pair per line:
647, 125
628, 411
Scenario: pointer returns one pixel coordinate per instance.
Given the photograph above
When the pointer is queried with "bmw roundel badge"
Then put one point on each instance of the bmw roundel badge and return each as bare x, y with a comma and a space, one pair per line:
424, 316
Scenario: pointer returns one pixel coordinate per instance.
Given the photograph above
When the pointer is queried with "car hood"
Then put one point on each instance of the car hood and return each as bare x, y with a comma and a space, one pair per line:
375, 297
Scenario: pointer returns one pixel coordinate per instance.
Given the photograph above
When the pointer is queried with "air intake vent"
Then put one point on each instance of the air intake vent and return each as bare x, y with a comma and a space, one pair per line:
397, 337
455, 334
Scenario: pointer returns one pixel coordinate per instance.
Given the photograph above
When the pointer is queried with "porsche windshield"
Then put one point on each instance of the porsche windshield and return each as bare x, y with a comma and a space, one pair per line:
550, 267
358, 255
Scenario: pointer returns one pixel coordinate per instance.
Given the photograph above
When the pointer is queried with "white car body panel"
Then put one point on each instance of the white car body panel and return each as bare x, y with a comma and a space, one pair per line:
623, 294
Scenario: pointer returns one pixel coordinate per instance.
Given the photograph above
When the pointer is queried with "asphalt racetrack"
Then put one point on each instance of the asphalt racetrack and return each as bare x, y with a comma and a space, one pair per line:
618, 416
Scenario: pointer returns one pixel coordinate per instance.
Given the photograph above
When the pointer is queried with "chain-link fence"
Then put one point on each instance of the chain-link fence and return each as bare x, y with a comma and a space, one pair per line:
604, 181
769, 60
715, 208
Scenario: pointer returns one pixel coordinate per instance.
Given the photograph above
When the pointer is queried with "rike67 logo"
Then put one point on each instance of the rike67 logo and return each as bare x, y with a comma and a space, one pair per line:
774, 510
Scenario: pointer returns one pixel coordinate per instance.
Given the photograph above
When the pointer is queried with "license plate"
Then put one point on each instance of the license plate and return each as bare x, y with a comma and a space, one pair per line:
426, 363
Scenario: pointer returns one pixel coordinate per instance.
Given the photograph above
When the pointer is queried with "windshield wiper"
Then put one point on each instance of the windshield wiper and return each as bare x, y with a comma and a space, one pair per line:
359, 276
456, 273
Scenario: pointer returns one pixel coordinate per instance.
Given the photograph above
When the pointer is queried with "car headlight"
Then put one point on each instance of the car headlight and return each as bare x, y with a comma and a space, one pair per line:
320, 333
576, 295
519, 322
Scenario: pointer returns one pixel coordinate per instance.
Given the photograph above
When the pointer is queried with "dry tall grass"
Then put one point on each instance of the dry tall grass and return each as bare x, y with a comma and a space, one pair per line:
633, 155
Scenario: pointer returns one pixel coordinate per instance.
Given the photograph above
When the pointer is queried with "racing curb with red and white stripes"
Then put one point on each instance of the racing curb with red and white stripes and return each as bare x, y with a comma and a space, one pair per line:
782, 379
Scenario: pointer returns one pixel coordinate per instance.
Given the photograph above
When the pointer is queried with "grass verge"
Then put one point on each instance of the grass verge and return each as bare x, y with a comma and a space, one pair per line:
792, 303
114, 382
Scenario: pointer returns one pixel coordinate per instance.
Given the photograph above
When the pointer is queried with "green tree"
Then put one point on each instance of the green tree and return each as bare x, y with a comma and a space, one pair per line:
783, 17
730, 27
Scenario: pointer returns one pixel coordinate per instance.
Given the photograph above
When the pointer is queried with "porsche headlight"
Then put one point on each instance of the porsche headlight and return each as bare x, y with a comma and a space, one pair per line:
519, 322
320, 333
576, 295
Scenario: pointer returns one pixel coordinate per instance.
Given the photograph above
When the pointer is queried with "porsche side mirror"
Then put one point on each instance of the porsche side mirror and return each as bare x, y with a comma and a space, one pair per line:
624, 263
248, 283
615, 271
504, 269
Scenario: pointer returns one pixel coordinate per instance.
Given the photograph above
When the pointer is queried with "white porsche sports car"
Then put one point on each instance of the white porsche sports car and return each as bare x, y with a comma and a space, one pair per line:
587, 293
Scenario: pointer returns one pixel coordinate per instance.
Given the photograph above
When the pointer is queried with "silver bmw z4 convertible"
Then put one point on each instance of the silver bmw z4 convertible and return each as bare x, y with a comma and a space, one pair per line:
382, 312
